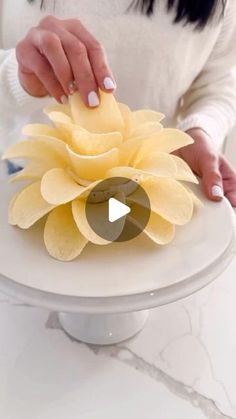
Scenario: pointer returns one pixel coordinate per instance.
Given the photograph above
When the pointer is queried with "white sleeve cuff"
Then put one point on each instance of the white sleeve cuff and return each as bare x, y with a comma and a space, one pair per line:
207, 124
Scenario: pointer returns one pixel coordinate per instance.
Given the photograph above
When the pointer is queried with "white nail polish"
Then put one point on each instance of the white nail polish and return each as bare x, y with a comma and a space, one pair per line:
93, 99
217, 191
109, 83
72, 87
64, 100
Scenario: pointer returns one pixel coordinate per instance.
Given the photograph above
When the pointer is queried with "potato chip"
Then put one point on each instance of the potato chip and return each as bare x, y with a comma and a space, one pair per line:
60, 118
146, 130
145, 115
167, 140
32, 171
79, 214
158, 229
28, 207
127, 119
103, 119
62, 238
41, 131
52, 152
169, 199
57, 107
93, 167
93, 144
128, 151
58, 187
194, 197
158, 164
183, 170
125, 172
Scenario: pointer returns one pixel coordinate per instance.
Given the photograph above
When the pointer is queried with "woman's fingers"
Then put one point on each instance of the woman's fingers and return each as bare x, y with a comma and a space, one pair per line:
36, 74
50, 46
229, 180
57, 57
95, 53
81, 68
79, 73
211, 177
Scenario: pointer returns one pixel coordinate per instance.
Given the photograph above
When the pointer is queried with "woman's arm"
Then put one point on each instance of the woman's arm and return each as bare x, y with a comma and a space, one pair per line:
209, 113
210, 103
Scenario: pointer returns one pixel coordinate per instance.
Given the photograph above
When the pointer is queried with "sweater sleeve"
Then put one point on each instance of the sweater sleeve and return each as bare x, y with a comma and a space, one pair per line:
17, 108
210, 103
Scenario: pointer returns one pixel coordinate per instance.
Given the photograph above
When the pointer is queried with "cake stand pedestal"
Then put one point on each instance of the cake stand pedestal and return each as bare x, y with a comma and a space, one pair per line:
103, 297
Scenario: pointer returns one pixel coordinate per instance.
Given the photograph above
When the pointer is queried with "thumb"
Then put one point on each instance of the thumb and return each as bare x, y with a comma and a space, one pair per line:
212, 179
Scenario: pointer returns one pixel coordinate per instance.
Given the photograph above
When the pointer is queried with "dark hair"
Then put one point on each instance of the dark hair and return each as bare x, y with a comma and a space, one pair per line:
198, 12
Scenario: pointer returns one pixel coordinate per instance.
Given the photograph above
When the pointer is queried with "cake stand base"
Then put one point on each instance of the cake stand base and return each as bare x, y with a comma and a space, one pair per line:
103, 329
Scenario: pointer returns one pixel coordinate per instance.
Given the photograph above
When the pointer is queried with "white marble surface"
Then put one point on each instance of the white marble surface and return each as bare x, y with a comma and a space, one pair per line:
182, 365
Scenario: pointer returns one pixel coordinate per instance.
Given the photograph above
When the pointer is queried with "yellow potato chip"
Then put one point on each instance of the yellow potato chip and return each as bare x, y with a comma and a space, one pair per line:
125, 172
146, 130
130, 148
62, 238
158, 164
145, 115
167, 141
79, 214
105, 118
126, 114
159, 230
128, 151
11, 215
169, 199
97, 212
183, 171
33, 171
41, 130
93, 144
194, 197
58, 187
48, 150
93, 167
57, 107
63, 123
28, 207
60, 118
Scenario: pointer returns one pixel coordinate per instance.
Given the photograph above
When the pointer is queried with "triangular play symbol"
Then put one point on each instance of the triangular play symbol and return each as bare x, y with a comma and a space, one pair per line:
116, 210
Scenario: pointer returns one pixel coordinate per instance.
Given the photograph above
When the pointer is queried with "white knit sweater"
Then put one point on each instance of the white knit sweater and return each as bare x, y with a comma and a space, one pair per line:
182, 72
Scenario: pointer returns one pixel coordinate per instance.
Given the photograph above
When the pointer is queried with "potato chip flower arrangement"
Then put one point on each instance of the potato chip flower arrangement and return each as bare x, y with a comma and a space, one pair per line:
80, 148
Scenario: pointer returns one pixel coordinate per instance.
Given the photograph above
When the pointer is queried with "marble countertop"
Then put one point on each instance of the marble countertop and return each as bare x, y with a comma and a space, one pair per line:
182, 365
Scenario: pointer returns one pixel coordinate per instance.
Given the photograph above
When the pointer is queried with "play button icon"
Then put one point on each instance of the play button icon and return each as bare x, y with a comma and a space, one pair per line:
116, 210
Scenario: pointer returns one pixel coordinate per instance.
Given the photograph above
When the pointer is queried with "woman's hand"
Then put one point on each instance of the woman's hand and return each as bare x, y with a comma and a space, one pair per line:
218, 176
59, 56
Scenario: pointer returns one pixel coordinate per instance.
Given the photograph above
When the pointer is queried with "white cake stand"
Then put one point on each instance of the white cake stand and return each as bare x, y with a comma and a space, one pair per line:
103, 297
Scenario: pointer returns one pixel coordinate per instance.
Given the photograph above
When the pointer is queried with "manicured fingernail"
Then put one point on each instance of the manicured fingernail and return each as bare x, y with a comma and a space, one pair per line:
64, 100
109, 83
72, 87
93, 99
217, 191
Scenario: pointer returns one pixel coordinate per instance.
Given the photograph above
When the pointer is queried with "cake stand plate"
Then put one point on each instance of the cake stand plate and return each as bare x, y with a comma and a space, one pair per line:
103, 297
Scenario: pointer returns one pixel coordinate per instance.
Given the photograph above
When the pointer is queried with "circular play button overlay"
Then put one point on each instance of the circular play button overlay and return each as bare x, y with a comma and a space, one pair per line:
117, 209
